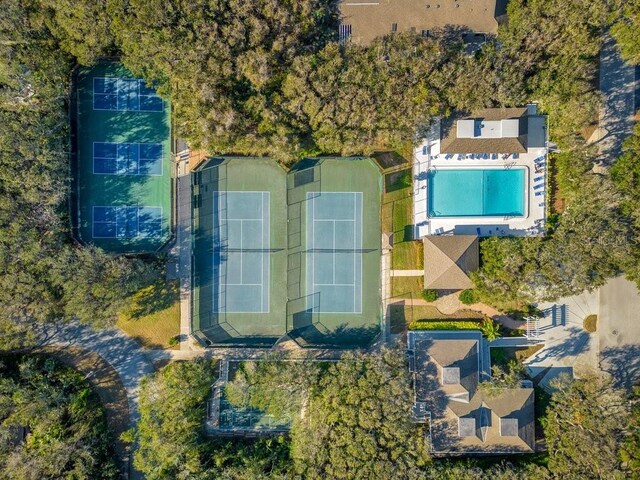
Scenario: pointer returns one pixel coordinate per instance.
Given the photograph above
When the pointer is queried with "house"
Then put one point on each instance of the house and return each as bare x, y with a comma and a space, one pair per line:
449, 260
482, 174
361, 21
447, 368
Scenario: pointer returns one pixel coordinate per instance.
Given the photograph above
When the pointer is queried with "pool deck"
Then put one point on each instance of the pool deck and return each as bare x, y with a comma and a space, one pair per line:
426, 156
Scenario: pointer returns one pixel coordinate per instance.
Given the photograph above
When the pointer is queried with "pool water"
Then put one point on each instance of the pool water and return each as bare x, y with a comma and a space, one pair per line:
476, 193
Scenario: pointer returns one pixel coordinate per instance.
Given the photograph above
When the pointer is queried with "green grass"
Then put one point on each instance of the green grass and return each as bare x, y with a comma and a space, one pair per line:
408, 256
154, 316
407, 287
397, 180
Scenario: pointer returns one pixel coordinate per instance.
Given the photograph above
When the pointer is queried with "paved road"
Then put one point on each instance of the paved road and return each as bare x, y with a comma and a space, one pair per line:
617, 84
119, 350
619, 331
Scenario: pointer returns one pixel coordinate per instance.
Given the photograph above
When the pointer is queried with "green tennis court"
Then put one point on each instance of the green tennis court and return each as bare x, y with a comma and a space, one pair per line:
122, 196
280, 253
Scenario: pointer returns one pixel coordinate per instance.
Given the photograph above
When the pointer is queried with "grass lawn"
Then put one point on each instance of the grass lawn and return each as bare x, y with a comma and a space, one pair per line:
154, 316
397, 217
407, 287
407, 256
403, 315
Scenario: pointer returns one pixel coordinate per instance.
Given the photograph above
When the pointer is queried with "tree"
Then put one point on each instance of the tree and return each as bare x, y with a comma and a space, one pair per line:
502, 379
625, 173
223, 64
625, 31
64, 422
630, 450
274, 386
354, 99
358, 422
490, 329
586, 415
172, 410
97, 286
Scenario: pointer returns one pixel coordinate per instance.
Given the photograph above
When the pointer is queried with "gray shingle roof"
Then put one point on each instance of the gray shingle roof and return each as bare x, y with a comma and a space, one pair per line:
448, 260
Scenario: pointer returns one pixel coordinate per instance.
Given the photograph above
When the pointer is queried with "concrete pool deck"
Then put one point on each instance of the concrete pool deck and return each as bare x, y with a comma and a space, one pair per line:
427, 156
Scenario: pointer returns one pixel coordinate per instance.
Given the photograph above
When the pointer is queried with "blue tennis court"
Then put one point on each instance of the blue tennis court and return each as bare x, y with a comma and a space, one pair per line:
127, 158
125, 94
241, 252
334, 252
127, 222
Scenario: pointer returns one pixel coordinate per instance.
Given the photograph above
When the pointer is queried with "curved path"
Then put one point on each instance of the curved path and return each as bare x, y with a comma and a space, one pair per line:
122, 352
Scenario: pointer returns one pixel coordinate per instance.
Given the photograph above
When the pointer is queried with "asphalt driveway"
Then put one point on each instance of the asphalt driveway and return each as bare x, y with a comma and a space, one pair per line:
619, 331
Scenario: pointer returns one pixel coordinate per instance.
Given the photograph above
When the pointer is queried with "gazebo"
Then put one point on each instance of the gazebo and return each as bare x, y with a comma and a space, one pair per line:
448, 261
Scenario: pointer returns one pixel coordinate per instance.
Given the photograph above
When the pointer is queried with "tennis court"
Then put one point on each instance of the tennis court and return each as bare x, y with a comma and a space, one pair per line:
239, 225
334, 257
241, 251
121, 161
280, 253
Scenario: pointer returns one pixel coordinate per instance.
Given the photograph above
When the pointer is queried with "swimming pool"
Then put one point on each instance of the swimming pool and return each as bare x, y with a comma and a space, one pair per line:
489, 192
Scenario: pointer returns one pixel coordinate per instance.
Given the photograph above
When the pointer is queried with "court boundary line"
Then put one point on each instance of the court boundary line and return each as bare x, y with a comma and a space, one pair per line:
138, 207
93, 163
218, 250
311, 196
118, 109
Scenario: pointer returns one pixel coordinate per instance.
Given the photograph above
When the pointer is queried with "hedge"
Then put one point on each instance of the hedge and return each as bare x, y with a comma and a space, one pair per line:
465, 324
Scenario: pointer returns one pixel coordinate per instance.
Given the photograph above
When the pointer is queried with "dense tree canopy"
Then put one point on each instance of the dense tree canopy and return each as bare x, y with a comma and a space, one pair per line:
169, 433
358, 422
587, 415
223, 63
625, 31
65, 424
43, 276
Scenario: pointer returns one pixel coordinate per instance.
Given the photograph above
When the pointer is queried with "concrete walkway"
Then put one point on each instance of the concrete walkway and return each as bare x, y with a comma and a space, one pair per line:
183, 246
567, 343
406, 273
617, 84
385, 293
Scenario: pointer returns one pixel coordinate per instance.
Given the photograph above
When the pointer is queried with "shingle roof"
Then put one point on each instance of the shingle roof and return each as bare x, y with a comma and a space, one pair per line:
476, 423
450, 143
448, 260
369, 20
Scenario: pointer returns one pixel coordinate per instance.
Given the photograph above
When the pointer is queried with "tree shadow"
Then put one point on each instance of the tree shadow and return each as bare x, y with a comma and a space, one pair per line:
574, 344
623, 364
154, 298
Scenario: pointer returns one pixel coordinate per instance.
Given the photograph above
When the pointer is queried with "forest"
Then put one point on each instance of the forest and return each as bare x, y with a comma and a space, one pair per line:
351, 419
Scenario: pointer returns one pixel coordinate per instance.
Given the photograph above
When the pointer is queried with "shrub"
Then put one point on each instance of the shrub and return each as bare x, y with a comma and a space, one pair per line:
468, 297
174, 341
429, 295
490, 329
467, 324
591, 323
